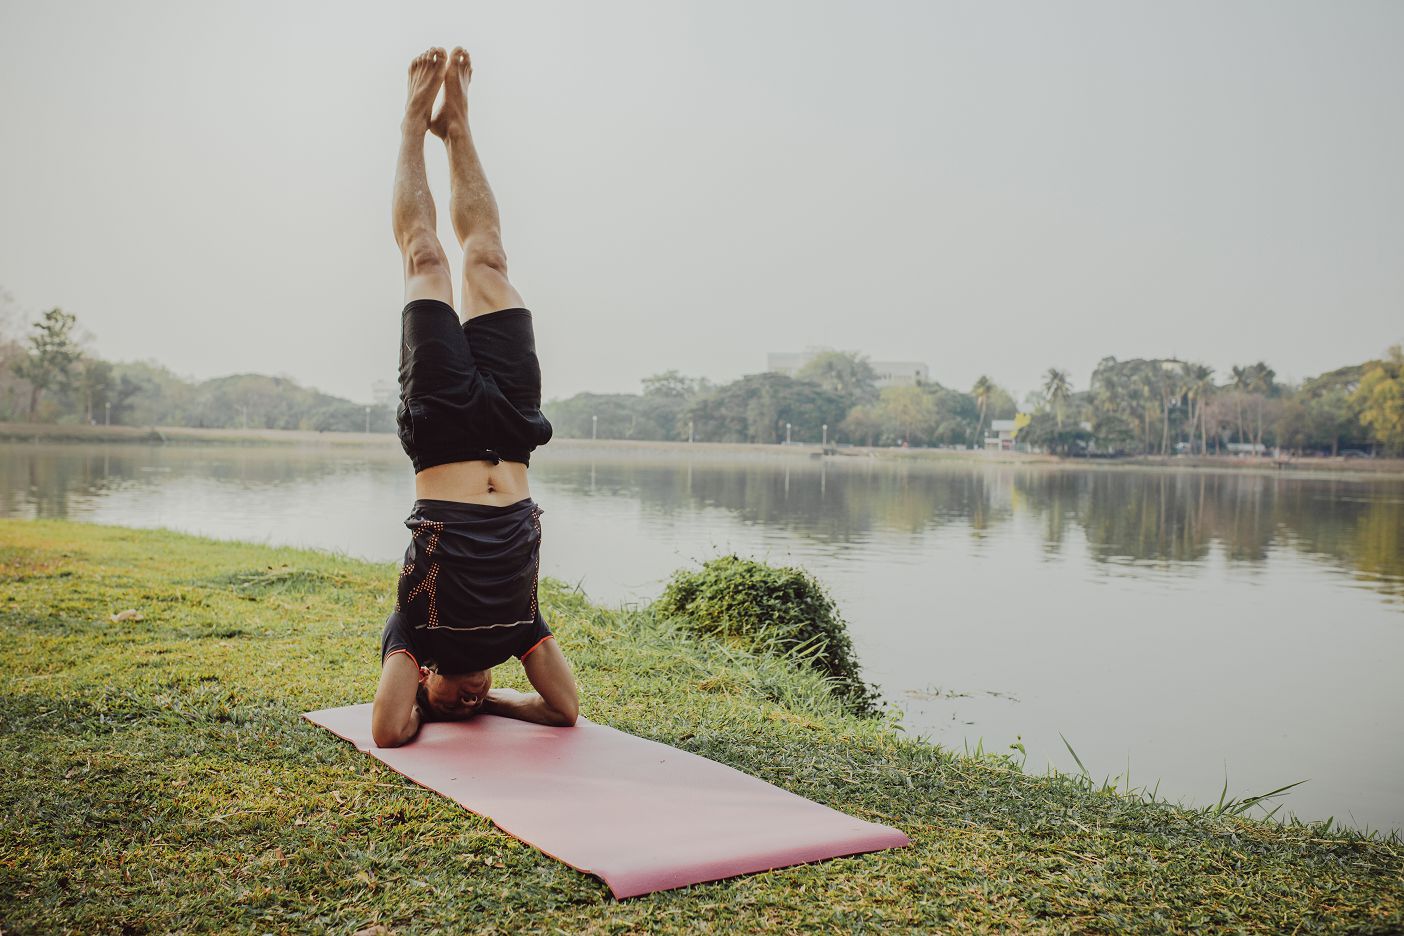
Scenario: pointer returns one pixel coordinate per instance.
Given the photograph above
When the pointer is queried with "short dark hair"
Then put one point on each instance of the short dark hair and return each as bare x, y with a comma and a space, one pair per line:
429, 713
421, 698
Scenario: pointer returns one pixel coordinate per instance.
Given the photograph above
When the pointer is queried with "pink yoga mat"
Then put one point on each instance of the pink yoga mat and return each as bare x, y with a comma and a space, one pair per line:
640, 815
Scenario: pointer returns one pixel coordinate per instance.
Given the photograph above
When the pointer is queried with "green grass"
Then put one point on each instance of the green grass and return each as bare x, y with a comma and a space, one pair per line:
157, 778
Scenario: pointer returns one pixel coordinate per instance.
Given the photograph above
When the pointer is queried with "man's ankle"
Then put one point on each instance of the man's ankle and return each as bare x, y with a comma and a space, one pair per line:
454, 130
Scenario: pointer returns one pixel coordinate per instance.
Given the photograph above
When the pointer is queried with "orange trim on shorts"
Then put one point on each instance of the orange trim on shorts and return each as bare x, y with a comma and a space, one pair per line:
535, 645
400, 650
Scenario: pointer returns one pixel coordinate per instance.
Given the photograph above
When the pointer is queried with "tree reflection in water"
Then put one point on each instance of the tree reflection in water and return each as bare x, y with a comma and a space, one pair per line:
1159, 517
1170, 519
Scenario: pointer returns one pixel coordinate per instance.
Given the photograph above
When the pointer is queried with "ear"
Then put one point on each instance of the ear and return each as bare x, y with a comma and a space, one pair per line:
423, 674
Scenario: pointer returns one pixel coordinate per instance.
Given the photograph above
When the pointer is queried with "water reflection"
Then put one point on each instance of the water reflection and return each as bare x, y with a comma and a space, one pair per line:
41, 480
1164, 518
320, 497
1154, 517
811, 498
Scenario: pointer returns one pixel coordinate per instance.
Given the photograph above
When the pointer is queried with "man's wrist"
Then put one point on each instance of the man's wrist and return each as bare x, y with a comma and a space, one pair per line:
526, 706
498, 702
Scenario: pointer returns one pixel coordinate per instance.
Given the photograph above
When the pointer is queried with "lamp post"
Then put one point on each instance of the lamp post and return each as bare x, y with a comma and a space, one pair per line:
594, 426
787, 433
826, 435
689, 430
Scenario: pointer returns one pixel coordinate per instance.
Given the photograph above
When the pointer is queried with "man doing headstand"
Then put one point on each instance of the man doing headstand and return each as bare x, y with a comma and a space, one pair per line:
469, 418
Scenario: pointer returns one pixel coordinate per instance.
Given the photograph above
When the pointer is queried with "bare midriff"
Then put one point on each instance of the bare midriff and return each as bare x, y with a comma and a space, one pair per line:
474, 482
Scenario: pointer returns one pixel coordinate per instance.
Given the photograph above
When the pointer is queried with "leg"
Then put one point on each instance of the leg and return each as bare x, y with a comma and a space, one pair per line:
412, 207
475, 220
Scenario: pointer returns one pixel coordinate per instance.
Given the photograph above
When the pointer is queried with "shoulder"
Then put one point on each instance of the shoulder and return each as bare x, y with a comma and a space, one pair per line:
398, 635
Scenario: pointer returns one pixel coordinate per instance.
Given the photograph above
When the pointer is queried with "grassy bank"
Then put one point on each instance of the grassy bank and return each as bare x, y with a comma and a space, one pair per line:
158, 778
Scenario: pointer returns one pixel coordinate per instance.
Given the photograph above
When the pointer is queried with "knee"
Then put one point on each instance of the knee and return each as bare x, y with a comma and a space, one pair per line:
486, 254
424, 255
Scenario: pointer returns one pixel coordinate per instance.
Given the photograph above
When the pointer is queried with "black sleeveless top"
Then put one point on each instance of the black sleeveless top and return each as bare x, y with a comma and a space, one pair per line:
467, 595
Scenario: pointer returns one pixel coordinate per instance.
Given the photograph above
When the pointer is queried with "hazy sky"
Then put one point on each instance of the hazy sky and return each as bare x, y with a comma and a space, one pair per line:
986, 187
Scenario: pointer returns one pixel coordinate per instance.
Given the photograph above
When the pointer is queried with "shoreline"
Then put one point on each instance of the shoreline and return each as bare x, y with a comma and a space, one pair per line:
1345, 468
42, 433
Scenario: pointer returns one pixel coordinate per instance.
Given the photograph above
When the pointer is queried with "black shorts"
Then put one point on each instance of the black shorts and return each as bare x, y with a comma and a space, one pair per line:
469, 391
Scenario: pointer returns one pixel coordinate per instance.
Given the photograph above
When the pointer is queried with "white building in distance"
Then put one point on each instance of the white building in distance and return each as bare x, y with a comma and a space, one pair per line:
889, 373
900, 373
384, 393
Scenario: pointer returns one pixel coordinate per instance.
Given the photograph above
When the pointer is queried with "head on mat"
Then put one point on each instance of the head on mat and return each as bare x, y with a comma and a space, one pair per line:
451, 696
469, 418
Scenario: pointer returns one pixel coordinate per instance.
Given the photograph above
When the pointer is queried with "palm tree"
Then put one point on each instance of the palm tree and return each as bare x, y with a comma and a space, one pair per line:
1256, 379
1199, 384
1145, 396
1242, 381
1058, 390
1173, 388
1261, 378
981, 391
1260, 381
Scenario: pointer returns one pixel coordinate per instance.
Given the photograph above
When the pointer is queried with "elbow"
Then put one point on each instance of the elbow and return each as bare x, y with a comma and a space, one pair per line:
389, 735
386, 739
567, 718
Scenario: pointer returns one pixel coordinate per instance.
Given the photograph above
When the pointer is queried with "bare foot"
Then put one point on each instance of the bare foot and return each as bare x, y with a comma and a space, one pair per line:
426, 73
453, 114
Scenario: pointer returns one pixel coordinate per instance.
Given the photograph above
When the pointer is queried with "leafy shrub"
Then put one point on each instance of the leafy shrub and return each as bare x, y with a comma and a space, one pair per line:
782, 611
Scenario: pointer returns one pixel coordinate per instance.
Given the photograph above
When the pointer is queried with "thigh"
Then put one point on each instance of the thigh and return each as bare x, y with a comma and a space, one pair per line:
503, 345
427, 272
436, 285
434, 353
440, 388
486, 289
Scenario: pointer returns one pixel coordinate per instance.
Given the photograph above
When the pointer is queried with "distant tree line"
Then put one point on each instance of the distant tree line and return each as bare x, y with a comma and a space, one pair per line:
47, 376
834, 397
1167, 406
1141, 406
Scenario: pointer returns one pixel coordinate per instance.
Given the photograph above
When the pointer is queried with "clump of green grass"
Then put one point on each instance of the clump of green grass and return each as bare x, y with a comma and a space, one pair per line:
158, 778
776, 611
1226, 805
282, 579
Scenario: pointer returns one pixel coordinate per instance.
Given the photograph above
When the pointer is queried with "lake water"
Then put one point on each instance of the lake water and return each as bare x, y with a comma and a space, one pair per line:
1190, 625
